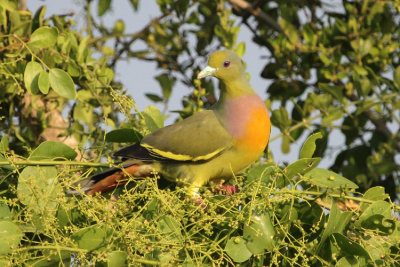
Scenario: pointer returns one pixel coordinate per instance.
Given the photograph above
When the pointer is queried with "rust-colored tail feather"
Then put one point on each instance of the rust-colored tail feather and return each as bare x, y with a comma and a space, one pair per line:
110, 179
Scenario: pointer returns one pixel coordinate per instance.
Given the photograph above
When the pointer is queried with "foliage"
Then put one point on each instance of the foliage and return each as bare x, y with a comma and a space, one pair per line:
338, 69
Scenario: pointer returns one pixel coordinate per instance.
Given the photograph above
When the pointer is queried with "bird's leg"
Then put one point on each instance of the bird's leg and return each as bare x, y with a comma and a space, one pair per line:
224, 189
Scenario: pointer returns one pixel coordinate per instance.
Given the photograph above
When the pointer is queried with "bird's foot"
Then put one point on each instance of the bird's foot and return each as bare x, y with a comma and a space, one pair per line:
225, 189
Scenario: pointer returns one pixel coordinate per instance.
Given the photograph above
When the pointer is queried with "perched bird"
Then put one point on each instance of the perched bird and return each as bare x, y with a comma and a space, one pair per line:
210, 145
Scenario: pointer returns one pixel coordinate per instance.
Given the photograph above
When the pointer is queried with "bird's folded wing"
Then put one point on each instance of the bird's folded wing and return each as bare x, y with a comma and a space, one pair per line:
199, 137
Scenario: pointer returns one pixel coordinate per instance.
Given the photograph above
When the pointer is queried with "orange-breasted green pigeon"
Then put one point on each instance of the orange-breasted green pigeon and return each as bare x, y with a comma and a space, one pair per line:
210, 145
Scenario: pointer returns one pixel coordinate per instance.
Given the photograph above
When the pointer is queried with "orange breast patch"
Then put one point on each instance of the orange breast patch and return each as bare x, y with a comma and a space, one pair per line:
257, 132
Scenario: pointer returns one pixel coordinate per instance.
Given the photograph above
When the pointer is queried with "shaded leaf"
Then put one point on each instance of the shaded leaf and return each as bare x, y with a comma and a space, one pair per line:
300, 167
337, 222
91, 238
170, 227
378, 216
374, 193
348, 246
123, 135
260, 233
53, 150
236, 249
62, 83
308, 148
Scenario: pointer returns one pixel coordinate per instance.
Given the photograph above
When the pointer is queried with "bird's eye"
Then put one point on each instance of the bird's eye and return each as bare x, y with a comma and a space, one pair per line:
227, 63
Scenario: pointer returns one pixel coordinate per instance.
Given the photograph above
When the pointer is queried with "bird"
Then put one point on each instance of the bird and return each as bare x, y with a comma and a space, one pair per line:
211, 145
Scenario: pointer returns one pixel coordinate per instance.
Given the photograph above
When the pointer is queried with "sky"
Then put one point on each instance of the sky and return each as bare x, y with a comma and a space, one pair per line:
138, 76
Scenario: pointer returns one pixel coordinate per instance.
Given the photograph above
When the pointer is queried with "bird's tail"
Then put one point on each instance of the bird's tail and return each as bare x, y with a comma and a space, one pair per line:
110, 179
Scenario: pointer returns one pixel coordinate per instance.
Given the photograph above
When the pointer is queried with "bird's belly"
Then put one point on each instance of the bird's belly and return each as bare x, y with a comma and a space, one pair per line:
228, 164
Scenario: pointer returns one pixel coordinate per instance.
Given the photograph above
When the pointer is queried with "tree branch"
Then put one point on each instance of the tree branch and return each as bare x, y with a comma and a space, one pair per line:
242, 5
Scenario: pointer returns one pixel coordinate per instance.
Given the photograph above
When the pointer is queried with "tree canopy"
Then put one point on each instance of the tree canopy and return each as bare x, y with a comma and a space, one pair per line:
62, 113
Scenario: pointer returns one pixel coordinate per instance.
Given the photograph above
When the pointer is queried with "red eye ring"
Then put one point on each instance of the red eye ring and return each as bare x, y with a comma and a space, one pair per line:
227, 63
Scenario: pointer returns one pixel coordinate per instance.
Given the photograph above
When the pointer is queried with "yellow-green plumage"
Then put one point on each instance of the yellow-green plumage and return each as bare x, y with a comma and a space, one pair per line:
213, 144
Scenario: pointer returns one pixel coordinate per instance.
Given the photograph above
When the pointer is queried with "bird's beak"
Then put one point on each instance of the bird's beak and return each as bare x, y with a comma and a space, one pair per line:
207, 71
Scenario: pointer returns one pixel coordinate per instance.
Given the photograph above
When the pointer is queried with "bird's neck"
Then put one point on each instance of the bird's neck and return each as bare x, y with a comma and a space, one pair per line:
235, 88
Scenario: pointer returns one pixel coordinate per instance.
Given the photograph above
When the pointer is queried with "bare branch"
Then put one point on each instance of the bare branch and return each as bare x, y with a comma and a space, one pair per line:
242, 5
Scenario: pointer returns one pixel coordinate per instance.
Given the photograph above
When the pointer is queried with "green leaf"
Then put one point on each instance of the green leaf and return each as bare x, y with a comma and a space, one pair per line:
332, 116
396, 78
5, 213
44, 37
285, 144
62, 83
348, 246
53, 150
308, 149
123, 135
240, 49
166, 83
378, 216
10, 236
154, 97
236, 249
117, 259
374, 193
3, 144
348, 261
43, 82
170, 227
91, 238
38, 188
300, 167
335, 91
261, 173
325, 178
153, 118
280, 118
103, 7
337, 222
31, 76
260, 233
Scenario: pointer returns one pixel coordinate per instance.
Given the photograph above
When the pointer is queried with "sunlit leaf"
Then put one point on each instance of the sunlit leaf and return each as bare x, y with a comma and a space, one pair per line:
44, 37
62, 83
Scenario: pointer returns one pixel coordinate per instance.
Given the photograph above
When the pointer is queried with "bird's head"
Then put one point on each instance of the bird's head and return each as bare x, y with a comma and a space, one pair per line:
224, 65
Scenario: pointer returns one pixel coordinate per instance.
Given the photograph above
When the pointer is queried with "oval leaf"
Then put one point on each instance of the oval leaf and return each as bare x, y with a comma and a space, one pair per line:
348, 246
300, 167
259, 234
236, 249
117, 259
309, 146
31, 76
44, 37
153, 118
38, 188
62, 83
53, 150
124, 135
170, 227
377, 217
10, 236
325, 178
43, 82
91, 238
